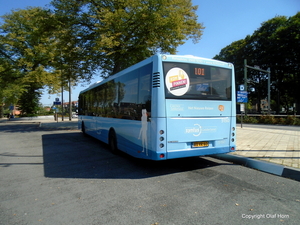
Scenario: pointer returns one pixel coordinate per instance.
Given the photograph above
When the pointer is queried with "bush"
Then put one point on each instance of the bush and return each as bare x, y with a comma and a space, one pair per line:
250, 119
281, 120
267, 119
292, 120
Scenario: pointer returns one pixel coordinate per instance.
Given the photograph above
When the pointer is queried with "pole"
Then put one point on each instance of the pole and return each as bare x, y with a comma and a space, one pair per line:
242, 109
62, 102
241, 120
269, 91
245, 80
62, 89
70, 101
269, 82
245, 74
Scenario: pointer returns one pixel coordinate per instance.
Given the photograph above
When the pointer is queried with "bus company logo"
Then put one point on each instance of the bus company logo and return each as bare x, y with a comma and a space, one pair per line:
221, 108
177, 81
196, 130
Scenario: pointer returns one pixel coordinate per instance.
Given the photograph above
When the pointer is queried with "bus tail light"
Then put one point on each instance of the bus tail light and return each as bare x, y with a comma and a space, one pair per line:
162, 156
161, 132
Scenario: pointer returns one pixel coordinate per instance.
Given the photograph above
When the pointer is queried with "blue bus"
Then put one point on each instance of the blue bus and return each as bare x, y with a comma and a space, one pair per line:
165, 107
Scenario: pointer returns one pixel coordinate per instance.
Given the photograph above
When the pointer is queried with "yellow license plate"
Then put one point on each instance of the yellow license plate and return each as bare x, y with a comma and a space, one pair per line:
200, 144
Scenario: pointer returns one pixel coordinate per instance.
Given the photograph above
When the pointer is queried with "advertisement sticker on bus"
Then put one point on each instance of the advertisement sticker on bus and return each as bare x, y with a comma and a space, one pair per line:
177, 81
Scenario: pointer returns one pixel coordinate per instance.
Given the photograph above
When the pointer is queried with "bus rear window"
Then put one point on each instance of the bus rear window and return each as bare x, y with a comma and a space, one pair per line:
196, 81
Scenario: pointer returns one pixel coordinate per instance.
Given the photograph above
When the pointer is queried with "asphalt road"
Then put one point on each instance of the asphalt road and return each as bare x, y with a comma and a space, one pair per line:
63, 177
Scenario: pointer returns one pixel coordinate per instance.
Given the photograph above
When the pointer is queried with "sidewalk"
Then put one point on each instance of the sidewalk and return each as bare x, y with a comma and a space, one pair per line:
271, 145
275, 150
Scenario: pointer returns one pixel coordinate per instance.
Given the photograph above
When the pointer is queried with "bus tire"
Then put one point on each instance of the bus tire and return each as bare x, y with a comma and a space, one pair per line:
112, 142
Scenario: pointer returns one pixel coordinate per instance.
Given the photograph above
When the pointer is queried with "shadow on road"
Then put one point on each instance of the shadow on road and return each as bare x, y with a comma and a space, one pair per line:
20, 127
72, 155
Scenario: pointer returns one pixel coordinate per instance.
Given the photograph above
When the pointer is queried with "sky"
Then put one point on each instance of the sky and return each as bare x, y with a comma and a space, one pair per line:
225, 21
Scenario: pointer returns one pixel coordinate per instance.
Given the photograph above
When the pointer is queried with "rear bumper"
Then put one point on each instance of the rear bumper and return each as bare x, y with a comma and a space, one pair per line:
198, 152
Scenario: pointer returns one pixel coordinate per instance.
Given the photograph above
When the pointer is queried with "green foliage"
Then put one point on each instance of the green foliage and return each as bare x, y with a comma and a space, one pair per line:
292, 120
247, 119
275, 45
40, 48
115, 30
26, 48
270, 119
281, 120
29, 101
267, 119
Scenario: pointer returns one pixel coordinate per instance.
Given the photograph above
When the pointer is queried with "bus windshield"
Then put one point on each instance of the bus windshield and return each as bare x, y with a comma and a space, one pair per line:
197, 81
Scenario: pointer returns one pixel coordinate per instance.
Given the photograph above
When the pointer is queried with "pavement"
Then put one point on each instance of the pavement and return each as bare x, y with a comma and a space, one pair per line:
271, 145
272, 150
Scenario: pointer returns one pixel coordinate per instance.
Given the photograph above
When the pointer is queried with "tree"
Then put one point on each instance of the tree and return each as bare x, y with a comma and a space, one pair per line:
235, 52
26, 46
289, 36
45, 49
118, 33
10, 85
274, 45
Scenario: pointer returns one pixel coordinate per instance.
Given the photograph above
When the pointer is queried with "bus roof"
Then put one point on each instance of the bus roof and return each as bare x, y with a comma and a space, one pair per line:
165, 58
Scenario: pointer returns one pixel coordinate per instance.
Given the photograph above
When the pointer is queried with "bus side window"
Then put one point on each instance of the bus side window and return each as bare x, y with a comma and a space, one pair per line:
144, 95
127, 96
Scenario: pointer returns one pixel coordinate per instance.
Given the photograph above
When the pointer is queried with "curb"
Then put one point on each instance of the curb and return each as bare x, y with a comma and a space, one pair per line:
272, 168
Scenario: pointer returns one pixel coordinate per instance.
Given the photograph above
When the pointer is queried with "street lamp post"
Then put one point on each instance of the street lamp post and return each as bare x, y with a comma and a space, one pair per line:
70, 101
62, 101
269, 81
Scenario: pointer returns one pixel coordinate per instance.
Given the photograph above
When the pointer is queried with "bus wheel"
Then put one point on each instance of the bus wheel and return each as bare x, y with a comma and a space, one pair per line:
113, 142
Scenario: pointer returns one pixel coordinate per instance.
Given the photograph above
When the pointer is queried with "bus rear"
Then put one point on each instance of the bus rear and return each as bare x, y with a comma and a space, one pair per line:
164, 107
199, 113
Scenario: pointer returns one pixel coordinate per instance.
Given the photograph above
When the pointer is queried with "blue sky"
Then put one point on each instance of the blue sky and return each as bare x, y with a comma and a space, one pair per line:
225, 21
